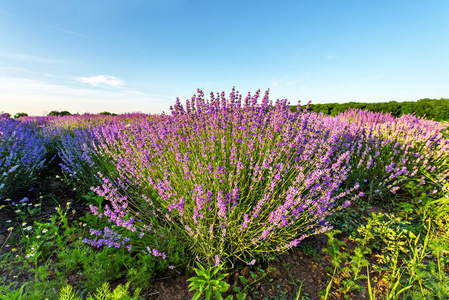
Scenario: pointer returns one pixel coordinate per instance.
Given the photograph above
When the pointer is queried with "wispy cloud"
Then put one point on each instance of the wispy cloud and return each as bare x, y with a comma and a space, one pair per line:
278, 81
73, 33
101, 80
286, 81
331, 56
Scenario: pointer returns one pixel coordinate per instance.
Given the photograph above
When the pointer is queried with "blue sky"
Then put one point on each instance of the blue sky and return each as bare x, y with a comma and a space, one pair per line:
139, 55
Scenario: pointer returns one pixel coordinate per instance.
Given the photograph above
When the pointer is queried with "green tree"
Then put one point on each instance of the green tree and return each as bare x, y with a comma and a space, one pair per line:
59, 113
20, 114
106, 113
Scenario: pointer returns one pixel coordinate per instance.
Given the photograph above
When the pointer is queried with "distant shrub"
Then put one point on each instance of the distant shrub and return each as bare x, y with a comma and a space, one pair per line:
106, 113
59, 113
20, 114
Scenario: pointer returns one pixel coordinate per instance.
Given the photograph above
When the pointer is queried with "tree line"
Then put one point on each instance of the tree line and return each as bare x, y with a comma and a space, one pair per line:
57, 113
432, 109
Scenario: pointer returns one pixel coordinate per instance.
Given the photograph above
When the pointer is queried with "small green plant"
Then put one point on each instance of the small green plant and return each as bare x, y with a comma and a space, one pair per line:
384, 233
347, 266
347, 220
208, 282
425, 208
18, 294
255, 277
102, 293
308, 250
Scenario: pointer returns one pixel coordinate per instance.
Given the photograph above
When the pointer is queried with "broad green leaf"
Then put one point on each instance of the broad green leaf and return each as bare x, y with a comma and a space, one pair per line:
193, 278
200, 266
218, 295
241, 296
216, 270
243, 279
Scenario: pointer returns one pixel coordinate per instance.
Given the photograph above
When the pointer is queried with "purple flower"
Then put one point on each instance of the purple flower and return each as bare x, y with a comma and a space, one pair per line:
217, 260
251, 263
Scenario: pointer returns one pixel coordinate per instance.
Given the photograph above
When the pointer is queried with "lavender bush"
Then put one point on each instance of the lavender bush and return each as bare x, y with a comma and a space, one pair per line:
241, 179
22, 156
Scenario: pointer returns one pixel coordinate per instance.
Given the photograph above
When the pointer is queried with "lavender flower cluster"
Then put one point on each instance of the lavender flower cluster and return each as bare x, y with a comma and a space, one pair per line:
22, 156
108, 238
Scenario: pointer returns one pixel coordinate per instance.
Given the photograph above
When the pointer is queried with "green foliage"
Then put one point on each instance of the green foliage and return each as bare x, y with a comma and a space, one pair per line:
57, 237
208, 282
59, 113
347, 221
20, 114
432, 109
249, 284
97, 266
436, 280
347, 266
102, 293
384, 234
18, 294
425, 209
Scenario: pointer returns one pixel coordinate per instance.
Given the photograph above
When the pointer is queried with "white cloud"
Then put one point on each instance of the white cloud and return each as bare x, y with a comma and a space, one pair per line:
102, 80
34, 97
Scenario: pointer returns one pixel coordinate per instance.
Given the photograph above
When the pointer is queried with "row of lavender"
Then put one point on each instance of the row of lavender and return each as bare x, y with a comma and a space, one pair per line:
22, 156
29, 144
241, 178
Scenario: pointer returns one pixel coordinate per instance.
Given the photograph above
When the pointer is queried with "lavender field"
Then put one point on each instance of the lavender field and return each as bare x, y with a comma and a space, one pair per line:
225, 187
